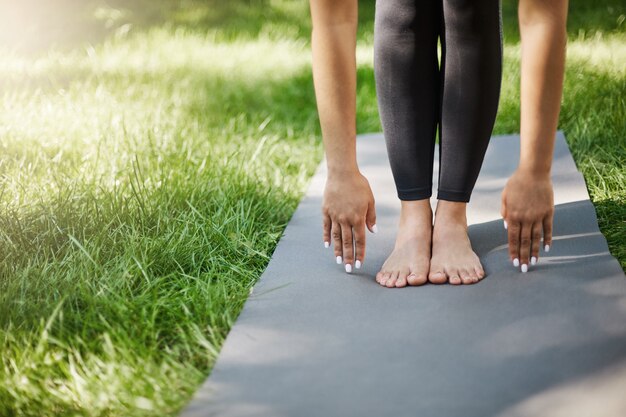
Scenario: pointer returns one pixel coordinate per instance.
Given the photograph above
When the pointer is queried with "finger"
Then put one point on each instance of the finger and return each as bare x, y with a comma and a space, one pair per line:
337, 244
514, 236
536, 243
348, 251
326, 226
359, 244
503, 204
525, 242
547, 233
370, 217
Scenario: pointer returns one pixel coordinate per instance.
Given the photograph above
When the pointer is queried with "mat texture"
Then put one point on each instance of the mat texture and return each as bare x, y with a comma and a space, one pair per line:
315, 341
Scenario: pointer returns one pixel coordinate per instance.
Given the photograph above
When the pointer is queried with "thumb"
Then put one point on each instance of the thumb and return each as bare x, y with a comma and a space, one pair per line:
370, 217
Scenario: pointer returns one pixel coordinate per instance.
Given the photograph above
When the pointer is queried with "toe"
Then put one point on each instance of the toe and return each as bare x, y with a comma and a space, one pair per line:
391, 282
401, 282
454, 278
480, 273
417, 279
466, 277
419, 273
383, 279
437, 276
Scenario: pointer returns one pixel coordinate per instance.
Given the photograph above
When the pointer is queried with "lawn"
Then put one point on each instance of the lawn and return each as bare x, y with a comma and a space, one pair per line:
151, 154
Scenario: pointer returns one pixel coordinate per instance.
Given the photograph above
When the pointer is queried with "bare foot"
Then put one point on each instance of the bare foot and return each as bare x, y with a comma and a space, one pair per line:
408, 262
453, 259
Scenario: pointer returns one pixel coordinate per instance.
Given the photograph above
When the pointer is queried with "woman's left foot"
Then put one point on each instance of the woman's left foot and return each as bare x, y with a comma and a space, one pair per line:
453, 259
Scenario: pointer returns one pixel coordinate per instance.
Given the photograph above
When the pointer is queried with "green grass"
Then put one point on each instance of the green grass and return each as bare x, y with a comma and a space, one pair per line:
151, 154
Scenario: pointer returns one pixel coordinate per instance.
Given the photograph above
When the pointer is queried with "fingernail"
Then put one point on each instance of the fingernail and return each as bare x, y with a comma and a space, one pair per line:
506, 226
357, 264
524, 268
375, 229
338, 259
348, 268
546, 248
533, 260
326, 244
515, 262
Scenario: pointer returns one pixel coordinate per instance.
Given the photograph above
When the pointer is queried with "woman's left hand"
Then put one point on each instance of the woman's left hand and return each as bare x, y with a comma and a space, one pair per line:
528, 209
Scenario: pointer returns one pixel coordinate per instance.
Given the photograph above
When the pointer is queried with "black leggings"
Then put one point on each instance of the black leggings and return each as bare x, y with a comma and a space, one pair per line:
416, 94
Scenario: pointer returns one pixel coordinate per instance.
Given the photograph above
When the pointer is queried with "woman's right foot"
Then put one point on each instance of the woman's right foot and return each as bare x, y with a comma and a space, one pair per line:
409, 262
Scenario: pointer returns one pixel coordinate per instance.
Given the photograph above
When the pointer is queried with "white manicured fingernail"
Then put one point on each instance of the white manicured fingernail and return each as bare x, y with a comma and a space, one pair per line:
357, 264
338, 259
533, 260
515, 262
546, 248
327, 244
375, 229
506, 226
348, 268
524, 268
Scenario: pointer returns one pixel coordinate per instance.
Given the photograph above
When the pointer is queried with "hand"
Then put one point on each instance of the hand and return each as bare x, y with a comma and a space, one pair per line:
527, 210
348, 203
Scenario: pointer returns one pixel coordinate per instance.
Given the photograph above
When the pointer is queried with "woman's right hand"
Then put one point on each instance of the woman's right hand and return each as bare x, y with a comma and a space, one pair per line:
348, 204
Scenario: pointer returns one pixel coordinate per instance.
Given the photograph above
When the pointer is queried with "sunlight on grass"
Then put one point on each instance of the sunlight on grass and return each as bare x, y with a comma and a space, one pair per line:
161, 51
144, 184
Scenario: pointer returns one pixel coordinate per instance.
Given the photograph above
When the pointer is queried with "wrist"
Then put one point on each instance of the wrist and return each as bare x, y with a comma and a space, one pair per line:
343, 172
534, 170
342, 168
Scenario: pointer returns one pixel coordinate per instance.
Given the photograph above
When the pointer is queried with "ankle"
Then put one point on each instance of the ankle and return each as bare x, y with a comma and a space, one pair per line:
416, 211
451, 212
415, 206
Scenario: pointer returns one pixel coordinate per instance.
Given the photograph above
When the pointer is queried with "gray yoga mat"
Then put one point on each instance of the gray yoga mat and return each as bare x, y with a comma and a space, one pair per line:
315, 341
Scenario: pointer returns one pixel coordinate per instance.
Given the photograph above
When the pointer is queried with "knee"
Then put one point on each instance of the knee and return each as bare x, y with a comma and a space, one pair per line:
471, 18
394, 17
